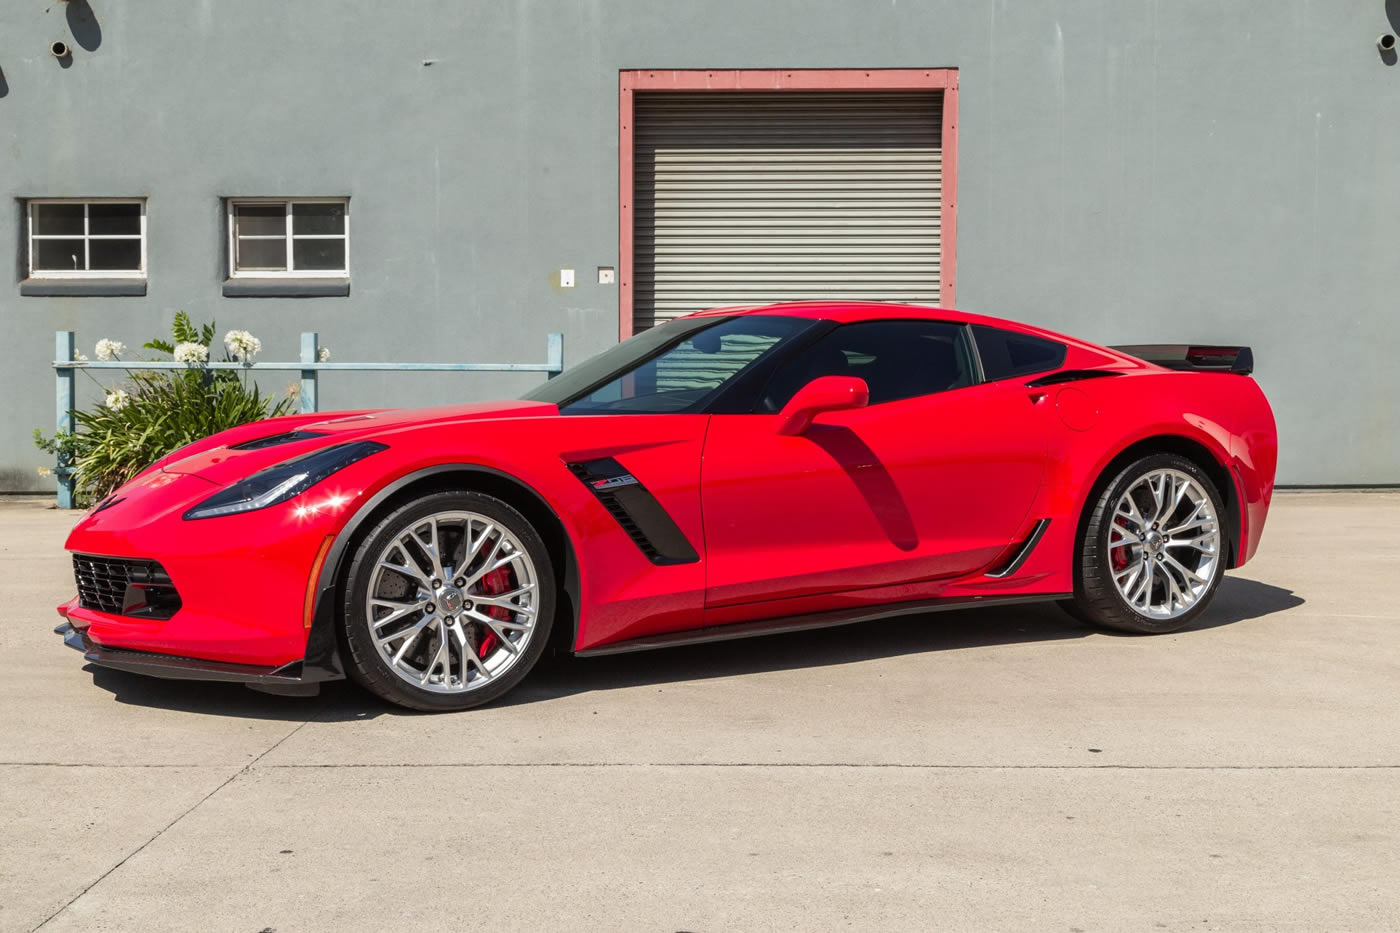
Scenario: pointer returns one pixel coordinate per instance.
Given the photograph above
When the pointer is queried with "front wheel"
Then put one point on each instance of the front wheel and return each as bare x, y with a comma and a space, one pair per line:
449, 602
1153, 550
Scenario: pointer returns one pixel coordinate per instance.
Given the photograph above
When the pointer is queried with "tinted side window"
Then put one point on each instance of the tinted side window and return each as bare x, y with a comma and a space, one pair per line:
1006, 355
897, 359
684, 376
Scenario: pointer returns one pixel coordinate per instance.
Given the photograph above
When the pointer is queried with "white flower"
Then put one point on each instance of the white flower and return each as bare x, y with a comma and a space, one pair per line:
80, 357
45, 471
324, 356
191, 353
118, 400
242, 345
109, 349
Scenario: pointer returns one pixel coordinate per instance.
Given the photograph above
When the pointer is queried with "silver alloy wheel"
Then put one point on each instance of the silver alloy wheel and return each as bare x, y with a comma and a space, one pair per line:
452, 602
1164, 544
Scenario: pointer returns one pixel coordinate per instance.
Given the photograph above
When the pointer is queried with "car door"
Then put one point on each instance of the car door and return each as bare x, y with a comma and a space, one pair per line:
631, 429
933, 478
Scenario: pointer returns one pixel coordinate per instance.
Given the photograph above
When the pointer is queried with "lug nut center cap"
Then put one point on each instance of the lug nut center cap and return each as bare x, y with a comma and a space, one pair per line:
1154, 542
451, 599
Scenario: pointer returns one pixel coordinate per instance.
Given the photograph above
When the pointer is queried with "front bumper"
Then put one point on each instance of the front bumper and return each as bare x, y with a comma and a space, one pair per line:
289, 679
241, 580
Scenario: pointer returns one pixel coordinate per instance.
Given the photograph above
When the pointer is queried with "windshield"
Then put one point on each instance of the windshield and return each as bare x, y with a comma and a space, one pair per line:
676, 367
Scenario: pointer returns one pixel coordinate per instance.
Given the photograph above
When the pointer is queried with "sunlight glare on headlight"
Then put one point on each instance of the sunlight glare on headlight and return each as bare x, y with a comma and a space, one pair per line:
331, 503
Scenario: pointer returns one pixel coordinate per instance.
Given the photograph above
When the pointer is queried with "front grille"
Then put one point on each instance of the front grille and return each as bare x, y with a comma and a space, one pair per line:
125, 586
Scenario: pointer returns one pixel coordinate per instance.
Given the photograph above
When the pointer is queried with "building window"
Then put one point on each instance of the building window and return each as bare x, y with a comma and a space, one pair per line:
87, 239
305, 238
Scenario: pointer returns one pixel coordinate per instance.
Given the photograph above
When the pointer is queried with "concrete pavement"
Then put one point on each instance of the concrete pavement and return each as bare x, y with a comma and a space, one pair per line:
997, 769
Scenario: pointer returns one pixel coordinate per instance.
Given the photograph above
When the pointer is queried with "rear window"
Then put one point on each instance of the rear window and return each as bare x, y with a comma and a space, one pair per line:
1006, 355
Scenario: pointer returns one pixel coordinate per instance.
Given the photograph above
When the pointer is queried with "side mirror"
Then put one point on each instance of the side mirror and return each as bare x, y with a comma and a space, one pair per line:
827, 393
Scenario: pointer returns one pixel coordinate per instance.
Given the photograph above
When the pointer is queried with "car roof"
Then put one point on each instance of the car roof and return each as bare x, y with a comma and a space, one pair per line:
850, 311
847, 312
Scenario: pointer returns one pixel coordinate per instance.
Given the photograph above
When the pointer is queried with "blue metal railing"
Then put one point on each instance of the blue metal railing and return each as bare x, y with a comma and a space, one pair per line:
66, 367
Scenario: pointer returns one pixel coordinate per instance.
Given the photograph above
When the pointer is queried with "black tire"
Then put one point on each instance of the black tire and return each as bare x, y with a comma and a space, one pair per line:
1097, 600
372, 671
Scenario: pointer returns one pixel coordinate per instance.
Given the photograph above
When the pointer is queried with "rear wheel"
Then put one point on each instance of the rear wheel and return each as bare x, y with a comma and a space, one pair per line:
1153, 550
449, 602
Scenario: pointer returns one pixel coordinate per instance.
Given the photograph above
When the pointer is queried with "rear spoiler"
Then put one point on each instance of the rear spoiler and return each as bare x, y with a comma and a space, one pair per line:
1191, 357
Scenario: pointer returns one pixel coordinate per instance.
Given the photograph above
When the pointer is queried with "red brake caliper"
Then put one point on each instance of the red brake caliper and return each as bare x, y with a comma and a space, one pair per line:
1118, 557
494, 584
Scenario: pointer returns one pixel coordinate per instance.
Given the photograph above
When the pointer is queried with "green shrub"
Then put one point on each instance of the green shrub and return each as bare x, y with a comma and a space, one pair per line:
155, 412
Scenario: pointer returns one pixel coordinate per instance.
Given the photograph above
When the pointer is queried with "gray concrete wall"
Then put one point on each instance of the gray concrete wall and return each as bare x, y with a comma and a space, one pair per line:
1129, 170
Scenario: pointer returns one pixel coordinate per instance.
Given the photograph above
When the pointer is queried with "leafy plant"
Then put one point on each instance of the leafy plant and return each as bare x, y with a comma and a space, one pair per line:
157, 412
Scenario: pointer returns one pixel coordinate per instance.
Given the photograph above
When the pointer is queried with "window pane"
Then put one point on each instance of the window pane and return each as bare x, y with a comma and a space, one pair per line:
897, 360
318, 218
318, 255
705, 367
114, 218
114, 255
51, 219
1006, 354
58, 256
264, 255
683, 377
260, 220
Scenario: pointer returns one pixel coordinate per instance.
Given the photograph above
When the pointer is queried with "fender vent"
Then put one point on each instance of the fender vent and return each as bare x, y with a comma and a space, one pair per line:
636, 510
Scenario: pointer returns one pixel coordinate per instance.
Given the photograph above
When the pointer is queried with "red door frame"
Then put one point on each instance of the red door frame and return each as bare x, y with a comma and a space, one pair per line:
783, 79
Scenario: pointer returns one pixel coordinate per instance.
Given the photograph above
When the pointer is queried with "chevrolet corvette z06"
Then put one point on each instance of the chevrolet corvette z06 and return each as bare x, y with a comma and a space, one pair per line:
731, 473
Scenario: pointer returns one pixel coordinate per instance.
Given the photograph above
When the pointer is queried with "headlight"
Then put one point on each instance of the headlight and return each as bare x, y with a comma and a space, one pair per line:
283, 481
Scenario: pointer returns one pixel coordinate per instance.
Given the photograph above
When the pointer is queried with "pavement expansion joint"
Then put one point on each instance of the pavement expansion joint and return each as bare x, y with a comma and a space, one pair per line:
242, 770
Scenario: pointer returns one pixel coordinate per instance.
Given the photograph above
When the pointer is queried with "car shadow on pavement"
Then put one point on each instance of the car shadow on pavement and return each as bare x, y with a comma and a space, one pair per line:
1239, 600
338, 702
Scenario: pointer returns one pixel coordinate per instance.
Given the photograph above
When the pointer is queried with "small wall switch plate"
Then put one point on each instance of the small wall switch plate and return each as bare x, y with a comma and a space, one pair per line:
566, 278
606, 275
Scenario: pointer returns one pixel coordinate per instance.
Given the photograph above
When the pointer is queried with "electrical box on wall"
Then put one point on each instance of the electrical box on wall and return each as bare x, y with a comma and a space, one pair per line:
566, 278
606, 275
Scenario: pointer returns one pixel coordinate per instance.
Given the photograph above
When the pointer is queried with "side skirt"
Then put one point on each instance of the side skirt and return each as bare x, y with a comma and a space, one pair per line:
810, 621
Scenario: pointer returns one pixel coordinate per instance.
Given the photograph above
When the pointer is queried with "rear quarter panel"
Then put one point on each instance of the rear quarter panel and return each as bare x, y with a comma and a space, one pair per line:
1226, 414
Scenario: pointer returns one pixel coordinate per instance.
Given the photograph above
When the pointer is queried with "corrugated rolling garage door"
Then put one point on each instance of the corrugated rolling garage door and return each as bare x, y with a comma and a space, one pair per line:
753, 197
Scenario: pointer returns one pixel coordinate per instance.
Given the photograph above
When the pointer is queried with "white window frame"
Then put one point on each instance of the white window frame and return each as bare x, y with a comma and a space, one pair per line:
289, 238
87, 238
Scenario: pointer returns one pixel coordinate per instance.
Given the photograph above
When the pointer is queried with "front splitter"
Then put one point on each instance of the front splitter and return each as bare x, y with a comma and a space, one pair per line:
285, 680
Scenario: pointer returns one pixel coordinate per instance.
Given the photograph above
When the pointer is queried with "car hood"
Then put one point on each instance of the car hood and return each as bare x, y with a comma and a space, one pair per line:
224, 463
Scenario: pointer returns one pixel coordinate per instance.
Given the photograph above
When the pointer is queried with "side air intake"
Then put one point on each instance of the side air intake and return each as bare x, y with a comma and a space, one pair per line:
1022, 553
636, 510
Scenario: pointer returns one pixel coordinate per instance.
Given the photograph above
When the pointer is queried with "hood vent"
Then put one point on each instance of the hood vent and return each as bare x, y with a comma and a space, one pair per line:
273, 440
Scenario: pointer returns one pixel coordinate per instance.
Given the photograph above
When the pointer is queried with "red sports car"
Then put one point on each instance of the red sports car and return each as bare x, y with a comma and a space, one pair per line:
732, 473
